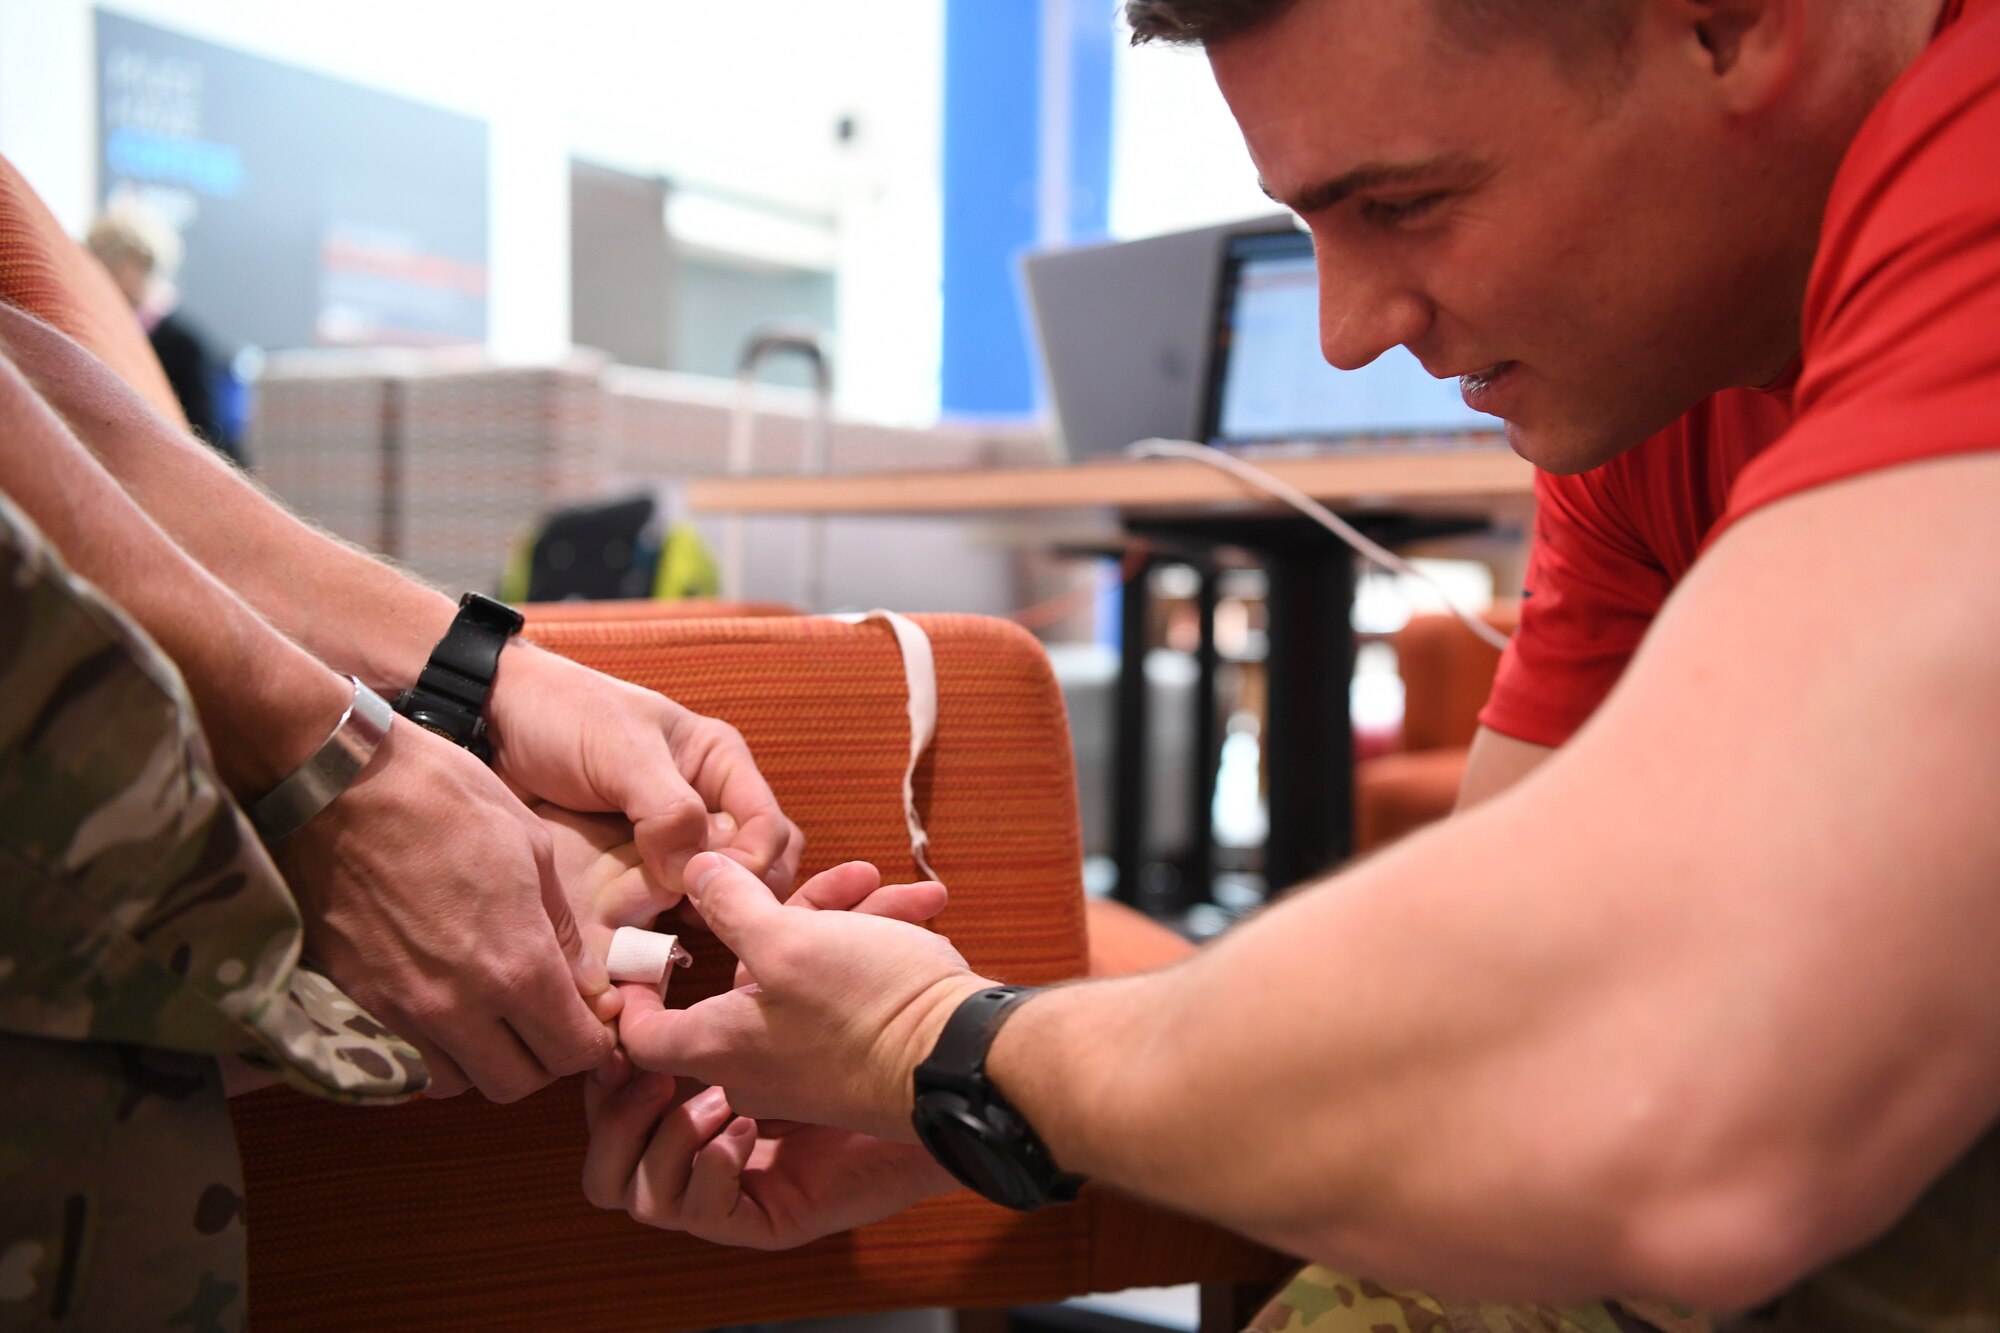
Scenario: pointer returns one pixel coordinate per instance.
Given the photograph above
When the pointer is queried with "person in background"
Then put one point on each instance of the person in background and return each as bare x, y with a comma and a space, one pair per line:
142, 254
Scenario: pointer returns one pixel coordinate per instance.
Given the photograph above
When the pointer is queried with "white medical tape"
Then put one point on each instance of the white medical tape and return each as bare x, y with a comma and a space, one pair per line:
920, 679
644, 956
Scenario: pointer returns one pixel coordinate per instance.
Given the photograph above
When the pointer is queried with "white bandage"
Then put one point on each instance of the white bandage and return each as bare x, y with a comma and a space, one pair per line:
644, 956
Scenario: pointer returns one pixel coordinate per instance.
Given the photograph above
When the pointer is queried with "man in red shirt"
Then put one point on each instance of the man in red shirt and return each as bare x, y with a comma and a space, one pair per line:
1700, 1004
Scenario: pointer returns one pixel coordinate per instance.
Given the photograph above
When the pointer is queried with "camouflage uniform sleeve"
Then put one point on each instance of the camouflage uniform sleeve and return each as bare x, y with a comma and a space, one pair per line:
143, 932
135, 903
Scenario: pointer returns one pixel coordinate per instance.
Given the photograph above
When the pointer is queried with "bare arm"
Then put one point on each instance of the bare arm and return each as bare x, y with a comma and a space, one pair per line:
1642, 1024
561, 732
264, 703
1496, 763
345, 607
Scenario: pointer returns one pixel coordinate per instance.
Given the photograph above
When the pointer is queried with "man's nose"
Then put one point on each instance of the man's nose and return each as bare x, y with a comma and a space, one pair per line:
1361, 317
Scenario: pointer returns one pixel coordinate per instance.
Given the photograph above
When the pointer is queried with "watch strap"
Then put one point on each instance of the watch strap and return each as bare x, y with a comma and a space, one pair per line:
328, 771
450, 695
958, 1061
463, 664
969, 1126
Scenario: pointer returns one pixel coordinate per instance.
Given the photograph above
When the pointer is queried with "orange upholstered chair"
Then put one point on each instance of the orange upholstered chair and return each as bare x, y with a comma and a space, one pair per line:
1447, 673
462, 1214
465, 1214
686, 608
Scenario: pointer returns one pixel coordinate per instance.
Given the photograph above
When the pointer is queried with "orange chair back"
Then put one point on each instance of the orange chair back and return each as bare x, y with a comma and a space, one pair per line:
464, 1214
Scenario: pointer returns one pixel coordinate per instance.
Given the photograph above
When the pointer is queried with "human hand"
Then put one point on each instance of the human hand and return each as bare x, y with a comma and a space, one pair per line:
607, 885
579, 739
840, 1008
429, 894
683, 1160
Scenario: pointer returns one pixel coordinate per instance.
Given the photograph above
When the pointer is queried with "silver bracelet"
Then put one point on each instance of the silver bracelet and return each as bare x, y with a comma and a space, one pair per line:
327, 772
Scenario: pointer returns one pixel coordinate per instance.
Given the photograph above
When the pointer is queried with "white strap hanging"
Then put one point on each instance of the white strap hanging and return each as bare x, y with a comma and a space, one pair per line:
920, 679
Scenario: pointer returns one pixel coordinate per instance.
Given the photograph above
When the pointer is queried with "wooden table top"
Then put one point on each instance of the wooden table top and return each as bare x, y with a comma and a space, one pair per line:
1479, 477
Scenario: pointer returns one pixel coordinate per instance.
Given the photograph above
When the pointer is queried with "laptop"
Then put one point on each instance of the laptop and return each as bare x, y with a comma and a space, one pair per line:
1269, 391
1124, 331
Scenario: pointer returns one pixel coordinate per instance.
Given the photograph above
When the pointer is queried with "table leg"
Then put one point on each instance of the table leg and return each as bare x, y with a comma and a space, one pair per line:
1309, 745
1200, 886
1128, 769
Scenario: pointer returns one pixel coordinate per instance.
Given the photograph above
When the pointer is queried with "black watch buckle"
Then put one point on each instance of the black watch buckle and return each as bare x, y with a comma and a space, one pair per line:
450, 695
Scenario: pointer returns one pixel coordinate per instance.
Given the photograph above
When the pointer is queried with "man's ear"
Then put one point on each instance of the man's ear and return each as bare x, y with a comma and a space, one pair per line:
1748, 48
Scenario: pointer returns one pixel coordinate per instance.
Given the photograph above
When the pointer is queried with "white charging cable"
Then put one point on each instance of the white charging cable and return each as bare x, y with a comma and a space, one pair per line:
1255, 476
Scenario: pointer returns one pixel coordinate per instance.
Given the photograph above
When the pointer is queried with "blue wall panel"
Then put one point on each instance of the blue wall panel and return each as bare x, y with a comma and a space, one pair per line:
994, 102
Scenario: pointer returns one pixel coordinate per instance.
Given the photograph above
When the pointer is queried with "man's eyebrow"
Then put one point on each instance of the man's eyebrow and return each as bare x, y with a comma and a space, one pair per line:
1369, 176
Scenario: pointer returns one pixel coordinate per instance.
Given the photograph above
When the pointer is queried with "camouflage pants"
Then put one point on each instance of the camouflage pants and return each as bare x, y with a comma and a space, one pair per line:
1318, 1300
123, 1192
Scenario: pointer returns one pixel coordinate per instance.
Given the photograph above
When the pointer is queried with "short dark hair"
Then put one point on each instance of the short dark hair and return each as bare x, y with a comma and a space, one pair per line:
1575, 23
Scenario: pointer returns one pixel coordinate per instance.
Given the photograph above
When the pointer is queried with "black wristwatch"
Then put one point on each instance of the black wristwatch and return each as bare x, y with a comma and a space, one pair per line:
972, 1130
449, 697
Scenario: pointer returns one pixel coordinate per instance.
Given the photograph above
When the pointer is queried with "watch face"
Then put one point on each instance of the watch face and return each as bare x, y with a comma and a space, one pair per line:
966, 1146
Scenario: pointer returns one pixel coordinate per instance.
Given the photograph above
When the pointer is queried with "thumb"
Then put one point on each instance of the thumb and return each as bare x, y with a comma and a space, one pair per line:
592, 980
740, 908
669, 819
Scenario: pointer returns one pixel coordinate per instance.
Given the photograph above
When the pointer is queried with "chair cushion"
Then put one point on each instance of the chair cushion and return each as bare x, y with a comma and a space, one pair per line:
1400, 793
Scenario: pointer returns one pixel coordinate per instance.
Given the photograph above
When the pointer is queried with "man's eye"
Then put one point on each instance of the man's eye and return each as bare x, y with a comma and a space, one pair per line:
1393, 212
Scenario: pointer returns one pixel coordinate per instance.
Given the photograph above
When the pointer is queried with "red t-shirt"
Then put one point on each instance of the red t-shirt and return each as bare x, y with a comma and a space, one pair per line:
1899, 361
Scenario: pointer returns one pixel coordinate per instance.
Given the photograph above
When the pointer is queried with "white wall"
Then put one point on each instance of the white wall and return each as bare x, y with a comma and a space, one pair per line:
1177, 158
740, 98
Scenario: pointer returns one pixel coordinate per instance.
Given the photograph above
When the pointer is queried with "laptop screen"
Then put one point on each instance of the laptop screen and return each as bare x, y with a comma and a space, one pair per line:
1268, 383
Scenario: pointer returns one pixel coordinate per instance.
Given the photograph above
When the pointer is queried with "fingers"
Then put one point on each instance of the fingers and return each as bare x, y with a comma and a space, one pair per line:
499, 1062
612, 1073
669, 822
839, 889
695, 1041
715, 1181
619, 1134
856, 886
738, 907
586, 967
447, 1079
914, 903
644, 1024
716, 760
560, 1015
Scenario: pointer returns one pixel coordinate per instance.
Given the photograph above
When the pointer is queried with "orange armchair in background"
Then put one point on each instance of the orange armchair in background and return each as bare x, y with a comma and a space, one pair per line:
1447, 673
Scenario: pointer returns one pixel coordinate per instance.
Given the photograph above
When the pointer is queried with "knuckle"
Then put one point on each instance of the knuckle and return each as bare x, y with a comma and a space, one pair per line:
506, 976
425, 1007
588, 1053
